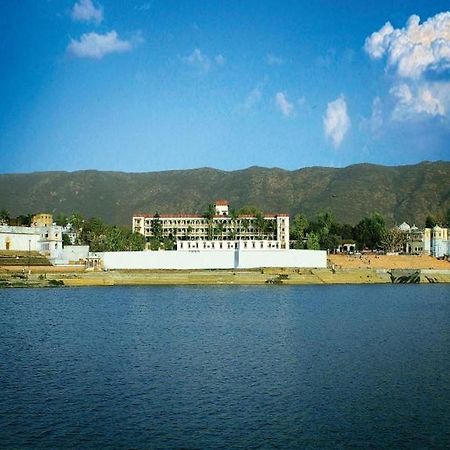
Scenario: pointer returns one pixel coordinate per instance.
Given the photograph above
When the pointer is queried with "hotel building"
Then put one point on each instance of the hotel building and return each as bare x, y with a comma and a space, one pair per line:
220, 226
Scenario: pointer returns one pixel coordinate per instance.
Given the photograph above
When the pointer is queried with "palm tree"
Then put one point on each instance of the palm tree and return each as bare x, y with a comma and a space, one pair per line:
220, 229
209, 215
260, 224
245, 225
234, 216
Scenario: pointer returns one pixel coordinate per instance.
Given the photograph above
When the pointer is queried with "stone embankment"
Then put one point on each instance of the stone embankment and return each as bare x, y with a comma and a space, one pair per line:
364, 269
274, 276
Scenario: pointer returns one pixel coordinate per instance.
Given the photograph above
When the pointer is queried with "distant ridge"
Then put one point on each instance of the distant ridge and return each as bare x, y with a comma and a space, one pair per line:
400, 193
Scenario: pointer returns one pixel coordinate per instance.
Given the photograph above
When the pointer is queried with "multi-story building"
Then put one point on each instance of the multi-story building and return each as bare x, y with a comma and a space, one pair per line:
220, 225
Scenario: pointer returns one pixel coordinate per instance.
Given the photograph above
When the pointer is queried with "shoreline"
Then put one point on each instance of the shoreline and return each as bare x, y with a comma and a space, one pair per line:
46, 277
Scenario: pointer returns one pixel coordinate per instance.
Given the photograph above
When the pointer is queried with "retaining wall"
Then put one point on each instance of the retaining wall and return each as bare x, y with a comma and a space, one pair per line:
223, 259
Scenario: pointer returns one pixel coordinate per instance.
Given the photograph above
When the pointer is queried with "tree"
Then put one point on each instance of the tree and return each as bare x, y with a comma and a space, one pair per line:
156, 227
137, 242
220, 229
430, 221
77, 222
4, 217
209, 215
168, 244
24, 220
298, 230
312, 241
189, 231
394, 240
260, 224
154, 244
61, 219
249, 211
370, 231
66, 240
234, 218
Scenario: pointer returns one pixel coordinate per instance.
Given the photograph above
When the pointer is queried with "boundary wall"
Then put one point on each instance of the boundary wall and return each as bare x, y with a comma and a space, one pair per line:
223, 259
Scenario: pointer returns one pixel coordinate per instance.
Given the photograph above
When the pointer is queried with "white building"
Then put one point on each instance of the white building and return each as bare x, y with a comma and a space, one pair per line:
46, 239
439, 243
429, 241
222, 226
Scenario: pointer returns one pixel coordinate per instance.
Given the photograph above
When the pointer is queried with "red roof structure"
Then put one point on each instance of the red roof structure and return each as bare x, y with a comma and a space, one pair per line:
221, 202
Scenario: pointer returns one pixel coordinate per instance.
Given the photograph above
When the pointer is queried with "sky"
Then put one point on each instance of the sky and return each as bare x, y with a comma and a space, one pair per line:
149, 85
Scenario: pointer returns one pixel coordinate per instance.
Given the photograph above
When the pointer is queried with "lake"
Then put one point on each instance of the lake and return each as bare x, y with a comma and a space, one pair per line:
225, 367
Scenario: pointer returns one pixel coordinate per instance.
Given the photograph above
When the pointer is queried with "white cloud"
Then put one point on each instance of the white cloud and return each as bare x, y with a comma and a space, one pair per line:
336, 121
419, 55
203, 62
86, 11
96, 46
144, 7
414, 49
423, 100
283, 104
274, 60
253, 97
198, 59
220, 60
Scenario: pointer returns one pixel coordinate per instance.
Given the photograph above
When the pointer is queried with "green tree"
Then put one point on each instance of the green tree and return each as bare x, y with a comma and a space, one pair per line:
370, 232
312, 241
156, 227
189, 231
4, 217
155, 244
66, 240
137, 242
249, 211
168, 244
209, 215
220, 229
298, 230
430, 221
260, 224
234, 220
24, 220
61, 219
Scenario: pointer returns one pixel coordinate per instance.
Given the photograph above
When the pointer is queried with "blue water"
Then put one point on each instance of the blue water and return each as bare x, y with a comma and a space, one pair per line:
225, 367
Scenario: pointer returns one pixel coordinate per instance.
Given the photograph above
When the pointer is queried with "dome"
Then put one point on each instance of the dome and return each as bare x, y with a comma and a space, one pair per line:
404, 227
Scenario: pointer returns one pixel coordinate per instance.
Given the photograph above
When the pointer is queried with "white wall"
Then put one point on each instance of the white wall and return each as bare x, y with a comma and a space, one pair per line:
19, 242
223, 259
282, 258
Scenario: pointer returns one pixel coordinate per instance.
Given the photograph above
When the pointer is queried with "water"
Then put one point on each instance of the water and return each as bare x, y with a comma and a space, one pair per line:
225, 367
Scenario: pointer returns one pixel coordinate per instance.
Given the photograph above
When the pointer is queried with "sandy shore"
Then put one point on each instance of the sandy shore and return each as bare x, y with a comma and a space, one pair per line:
267, 277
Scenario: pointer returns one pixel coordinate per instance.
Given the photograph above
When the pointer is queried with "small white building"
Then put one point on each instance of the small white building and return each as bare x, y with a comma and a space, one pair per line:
439, 243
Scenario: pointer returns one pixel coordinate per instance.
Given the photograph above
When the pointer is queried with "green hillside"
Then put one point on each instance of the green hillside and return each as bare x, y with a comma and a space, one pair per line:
399, 193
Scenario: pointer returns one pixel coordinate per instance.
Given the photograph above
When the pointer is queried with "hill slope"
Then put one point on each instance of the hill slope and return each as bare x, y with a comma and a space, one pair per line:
399, 193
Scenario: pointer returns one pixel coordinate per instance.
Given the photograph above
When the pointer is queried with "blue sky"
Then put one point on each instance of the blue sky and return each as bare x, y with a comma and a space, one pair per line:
142, 85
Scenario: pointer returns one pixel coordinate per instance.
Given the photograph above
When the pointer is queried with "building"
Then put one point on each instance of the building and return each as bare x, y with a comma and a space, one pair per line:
220, 226
429, 241
439, 244
42, 220
44, 239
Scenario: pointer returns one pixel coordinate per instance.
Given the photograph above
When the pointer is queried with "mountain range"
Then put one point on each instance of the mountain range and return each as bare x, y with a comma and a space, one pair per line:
401, 193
